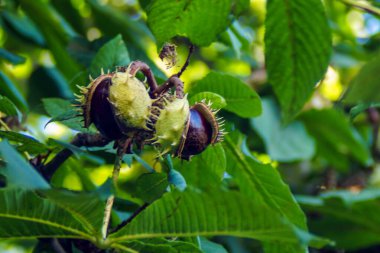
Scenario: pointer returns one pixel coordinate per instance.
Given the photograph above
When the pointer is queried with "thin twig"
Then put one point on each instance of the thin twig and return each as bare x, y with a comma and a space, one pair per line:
137, 66
81, 139
363, 5
122, 224
374, 118
110, 200
187, 62
173, 81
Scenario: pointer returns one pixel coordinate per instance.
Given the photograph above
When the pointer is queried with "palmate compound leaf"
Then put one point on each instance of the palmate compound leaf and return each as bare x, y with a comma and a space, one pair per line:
297, 50
262, 182
351, 219
25, 214
189, 213
159, 245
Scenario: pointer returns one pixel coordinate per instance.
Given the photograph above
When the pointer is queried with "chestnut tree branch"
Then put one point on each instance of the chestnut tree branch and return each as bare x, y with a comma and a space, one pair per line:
137, 66
363, 5
187, 62
80, 140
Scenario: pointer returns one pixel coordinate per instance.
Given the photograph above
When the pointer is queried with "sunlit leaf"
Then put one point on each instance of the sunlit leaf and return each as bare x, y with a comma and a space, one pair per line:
114, 53
212, 213
240, 98
297, 50
200, 20
17, 171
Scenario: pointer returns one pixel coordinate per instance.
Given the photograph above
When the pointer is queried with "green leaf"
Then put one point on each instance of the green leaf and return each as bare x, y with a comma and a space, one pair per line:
18, 172
356, 110
216, 100
176, 178
199, 20
240, 98
114, 53
23, 27
284, 143
213, 213
25, 142
336, 139
47, 82
298, 47
24, 214
354, 213
208, 246
8, 107
362, 86
117, 22
87, 208
8, 89
150, 186
263, 181
12, 58
59, 109
205, 170
56, 34
239, 6
160, 245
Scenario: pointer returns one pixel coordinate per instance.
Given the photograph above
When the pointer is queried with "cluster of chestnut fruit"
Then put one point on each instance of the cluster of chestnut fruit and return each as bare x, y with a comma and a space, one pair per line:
125, 109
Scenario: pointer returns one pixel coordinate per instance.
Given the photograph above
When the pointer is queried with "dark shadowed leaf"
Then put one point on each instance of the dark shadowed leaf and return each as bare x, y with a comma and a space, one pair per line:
56, 32
356, 110
10, 57
18, 172
364, 84
8, 89
284, 143
336, 139
23, 27
354, 213
8, 107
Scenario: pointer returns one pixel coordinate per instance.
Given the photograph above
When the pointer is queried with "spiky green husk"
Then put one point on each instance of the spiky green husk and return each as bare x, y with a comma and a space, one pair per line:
131, 100
170, 124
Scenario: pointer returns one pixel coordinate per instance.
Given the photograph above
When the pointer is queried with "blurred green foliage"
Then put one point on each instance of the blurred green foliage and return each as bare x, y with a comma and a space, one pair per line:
295, 80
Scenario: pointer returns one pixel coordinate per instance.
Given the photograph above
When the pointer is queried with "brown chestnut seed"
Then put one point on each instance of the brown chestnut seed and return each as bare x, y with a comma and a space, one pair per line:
198, 136
98, 110
117, 103
202, 129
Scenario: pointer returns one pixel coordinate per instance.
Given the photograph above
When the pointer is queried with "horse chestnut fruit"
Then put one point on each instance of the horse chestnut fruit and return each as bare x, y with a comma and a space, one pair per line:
117, 103
121, 107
